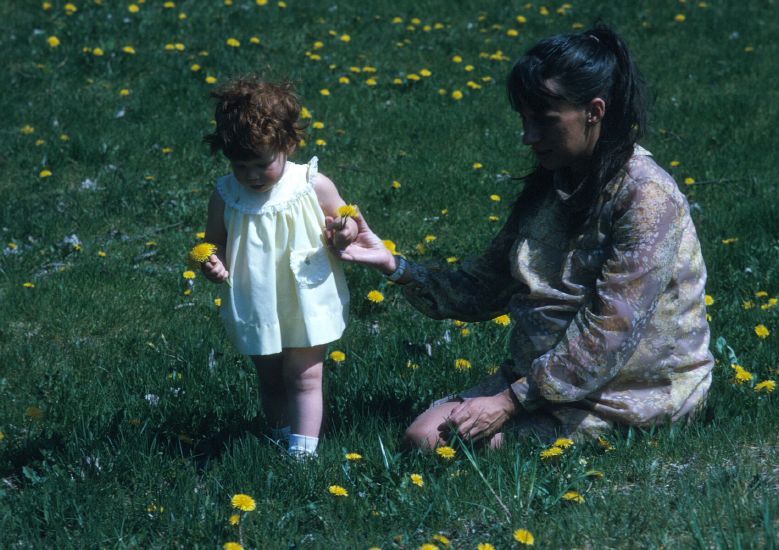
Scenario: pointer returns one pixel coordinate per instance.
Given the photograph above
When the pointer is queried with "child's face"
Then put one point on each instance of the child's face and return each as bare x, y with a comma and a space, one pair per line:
260, 173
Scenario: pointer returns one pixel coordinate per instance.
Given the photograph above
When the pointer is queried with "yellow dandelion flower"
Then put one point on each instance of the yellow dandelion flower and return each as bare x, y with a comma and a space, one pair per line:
413, 77
502, 320
321, 142
762, 331
462, 364
766, 386
348, 211
40, 142
218, 302
521, 19
469, 68
28, 285
485, 546
318, 125
102, 253
262, 2
675, 163
411, 365
45, 173
353, 457
344, 80
457, 59
689, 181
98, 52
512, 33
680, 18
210, 80
446, 452
428, 546
169, 5
232, 546
70, 8
235, 519
129, 50
396, 185
371, 82
442, 539
243, 502
133, 8
325, 92
563, 443
27, 130
391, 246
124, 92
495, 198
551, 453
338, 491
338, 356
375, 296
53, 41
761, 294
425, 73
748, 304
255, 40
742, 375
233, 42
478, 166
430, 238
202, 252
46, 6
34, 413
465, 332
452, 260
523, 536
417, 480
709, 300
749, 49
457, 95
188, 274
345, 38
605, 444
195, 67
573, 496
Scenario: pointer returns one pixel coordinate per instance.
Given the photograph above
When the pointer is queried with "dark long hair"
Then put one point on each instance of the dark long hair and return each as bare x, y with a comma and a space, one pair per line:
583, 66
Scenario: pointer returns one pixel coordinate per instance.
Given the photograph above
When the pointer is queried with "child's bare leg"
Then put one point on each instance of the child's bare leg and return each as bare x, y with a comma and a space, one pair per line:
303, 381
272, 388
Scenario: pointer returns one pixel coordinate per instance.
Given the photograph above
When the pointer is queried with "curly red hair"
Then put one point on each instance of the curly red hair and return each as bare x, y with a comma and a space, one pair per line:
254, 116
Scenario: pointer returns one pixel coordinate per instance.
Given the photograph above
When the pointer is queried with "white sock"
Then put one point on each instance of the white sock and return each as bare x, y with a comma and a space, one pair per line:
302, 445
280, 434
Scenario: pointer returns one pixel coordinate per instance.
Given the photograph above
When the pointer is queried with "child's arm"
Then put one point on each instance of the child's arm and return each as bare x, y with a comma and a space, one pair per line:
330, 201
214, 269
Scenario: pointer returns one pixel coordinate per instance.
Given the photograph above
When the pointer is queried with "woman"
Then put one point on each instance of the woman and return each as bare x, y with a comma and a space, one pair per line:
599, 266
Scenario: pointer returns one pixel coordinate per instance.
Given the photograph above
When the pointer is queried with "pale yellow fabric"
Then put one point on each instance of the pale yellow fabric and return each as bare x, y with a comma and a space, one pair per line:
287, 289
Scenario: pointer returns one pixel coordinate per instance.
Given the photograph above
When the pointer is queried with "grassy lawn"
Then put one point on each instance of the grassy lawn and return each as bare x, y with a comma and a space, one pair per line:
128, 420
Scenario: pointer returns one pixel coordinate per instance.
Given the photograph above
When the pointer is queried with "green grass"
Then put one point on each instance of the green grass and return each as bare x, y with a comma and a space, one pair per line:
87, 461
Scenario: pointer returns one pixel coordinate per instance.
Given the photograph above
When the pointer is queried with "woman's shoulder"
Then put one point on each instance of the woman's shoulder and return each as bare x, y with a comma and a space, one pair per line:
644, 177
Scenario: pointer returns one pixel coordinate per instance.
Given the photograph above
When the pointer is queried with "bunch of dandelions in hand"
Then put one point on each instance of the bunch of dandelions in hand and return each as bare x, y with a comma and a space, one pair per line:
201, 253
347, 211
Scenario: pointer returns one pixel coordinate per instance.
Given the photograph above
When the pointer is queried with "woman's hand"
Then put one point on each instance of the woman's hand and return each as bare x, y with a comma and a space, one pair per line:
480, 417
365, 249
214, 269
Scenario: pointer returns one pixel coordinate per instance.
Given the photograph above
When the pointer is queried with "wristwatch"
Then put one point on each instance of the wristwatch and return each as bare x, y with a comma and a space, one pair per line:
402, 265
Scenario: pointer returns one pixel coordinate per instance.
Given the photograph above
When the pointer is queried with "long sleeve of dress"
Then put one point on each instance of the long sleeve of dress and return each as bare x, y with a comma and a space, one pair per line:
646, 228
478, 291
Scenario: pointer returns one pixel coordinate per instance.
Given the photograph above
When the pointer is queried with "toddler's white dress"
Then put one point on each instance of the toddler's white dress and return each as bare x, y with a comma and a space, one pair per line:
287, 289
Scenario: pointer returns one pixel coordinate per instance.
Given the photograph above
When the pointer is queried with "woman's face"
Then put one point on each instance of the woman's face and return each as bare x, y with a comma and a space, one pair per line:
564, 135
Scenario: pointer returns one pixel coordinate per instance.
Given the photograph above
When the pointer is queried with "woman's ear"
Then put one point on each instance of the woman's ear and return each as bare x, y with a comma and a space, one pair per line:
596, 110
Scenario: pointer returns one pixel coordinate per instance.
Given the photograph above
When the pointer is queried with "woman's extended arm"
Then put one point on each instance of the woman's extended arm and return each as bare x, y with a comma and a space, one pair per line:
478, 291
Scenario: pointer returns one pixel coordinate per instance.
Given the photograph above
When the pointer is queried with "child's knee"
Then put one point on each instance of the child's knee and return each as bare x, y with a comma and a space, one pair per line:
303, 369
421, 436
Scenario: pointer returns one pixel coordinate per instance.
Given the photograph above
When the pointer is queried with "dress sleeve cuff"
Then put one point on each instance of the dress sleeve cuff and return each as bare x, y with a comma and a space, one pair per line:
527, 394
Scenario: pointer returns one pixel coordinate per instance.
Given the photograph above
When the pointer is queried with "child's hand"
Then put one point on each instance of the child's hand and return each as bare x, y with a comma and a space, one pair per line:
214, 269
341, 232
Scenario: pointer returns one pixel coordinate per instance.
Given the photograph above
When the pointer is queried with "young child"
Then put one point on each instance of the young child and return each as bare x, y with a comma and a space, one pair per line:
287, 296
